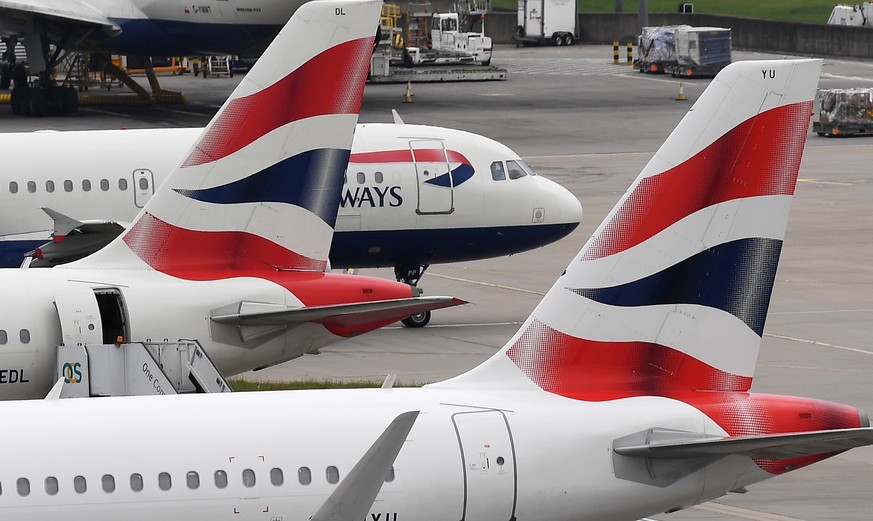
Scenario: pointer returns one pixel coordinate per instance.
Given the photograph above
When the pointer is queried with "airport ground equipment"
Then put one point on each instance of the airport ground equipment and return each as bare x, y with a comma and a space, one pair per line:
856, 15
137, 369
449, 45
701, 51
845, 112
547, 21
657, 48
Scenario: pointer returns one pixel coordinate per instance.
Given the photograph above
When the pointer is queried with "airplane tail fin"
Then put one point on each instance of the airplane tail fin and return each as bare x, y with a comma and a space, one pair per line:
260, 189
671, 292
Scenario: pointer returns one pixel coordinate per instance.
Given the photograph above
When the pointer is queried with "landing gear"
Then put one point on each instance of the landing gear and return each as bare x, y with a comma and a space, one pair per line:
411, 274
417, 320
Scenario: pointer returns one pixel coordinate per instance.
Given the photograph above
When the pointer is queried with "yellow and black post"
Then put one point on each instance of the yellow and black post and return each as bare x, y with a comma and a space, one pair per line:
630, 52
615, 52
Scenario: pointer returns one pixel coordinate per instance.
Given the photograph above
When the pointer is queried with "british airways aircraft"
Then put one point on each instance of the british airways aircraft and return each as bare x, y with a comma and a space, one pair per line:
130, 27
232, 249
412, 196
625, 394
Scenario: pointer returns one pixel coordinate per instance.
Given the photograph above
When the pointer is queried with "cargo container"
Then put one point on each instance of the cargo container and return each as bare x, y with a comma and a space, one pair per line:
701, 51
547, 21
845, 112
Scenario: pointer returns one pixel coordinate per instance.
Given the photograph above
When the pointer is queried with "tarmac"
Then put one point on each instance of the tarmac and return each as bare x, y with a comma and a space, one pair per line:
592, 126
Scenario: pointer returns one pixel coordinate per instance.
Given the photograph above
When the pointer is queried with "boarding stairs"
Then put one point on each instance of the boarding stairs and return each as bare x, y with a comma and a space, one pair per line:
140, 368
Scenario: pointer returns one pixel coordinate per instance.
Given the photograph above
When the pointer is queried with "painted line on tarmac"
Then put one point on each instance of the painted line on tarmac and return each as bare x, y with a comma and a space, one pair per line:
828, 76
590, 154
817, 343
744, 513
480, 324
823, 311
488, 284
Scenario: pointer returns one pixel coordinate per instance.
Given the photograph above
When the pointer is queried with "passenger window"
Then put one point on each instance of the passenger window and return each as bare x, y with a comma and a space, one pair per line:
304, 475
24, 336
143, 183
122, 184
3, 338
49, 186
332, 475
378, 177
13, 187
31, 187
86, 185
68, 185
220, 478
108, 482
104, 185
361, 178
497, 172
79, 484
389, 477
276, 477
51, 485
248, 477
23, 486
136, 482
164, 481
193, 480
515, 170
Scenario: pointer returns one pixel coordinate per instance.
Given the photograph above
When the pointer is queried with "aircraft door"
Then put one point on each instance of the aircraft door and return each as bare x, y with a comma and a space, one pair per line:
433, 176
79, 316
488, 458
143, 186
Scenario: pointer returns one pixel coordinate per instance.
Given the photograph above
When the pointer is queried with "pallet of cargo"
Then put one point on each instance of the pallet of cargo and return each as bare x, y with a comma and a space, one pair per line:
845, 112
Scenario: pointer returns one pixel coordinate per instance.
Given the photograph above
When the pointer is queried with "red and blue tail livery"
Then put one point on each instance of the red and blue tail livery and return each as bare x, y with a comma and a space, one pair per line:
274, 154
670, 295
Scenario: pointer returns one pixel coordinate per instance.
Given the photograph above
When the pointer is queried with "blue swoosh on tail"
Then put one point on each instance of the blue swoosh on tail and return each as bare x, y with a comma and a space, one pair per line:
724, 277
311, 180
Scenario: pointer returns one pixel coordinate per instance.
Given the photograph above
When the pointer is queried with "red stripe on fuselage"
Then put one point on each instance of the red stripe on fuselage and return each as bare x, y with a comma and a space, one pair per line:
434, 155
759, 157
329, 83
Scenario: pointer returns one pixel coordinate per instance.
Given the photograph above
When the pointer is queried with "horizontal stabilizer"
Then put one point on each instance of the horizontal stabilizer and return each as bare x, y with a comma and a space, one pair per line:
341, 315
670, 444
354, 497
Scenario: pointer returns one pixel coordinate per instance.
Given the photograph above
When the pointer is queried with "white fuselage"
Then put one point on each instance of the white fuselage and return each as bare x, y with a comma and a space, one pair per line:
389, 214
43, 308
471, 455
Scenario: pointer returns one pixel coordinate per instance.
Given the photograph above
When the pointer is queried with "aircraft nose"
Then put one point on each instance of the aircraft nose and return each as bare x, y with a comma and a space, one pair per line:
562, 207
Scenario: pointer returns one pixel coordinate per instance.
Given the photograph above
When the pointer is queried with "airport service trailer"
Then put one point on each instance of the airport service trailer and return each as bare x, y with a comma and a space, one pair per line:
539, 21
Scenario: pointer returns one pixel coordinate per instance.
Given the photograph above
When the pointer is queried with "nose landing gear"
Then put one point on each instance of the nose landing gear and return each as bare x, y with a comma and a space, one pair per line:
411, 274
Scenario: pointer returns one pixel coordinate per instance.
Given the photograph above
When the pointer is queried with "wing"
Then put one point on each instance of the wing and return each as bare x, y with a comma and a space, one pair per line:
60, 15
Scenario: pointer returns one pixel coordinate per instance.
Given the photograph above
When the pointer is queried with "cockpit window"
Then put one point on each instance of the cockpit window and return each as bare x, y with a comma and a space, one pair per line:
526, 167
515, 169
497, 172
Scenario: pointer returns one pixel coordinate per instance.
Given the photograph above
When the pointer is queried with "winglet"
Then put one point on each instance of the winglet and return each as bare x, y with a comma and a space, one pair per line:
55, 392
355, 495
396, 116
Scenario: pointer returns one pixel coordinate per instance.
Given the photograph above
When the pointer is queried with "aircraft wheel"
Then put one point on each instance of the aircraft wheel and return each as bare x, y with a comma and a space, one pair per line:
69, 101
417, 320
37, 103
5, 76
19, 101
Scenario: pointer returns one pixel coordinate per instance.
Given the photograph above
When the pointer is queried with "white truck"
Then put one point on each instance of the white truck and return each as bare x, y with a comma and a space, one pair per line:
547, 21
858, 15
450, 46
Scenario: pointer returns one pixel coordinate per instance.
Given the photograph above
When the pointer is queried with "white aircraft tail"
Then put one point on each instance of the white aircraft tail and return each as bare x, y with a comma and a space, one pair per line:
261, 187
671, 292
